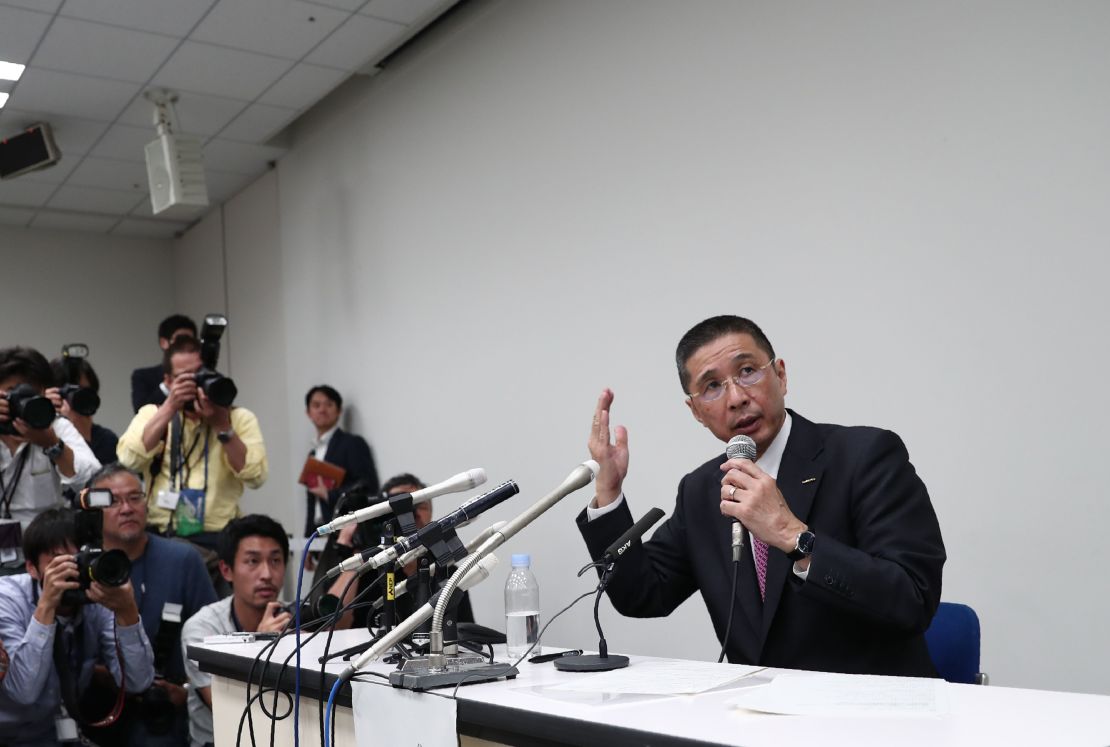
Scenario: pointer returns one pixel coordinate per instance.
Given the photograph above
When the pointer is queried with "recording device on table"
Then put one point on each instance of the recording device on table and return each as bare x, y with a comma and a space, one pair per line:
220, 389
94, 563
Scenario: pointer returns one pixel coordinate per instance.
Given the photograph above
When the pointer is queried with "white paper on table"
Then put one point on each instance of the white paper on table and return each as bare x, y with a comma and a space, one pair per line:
824, 694
402, 718
660, 677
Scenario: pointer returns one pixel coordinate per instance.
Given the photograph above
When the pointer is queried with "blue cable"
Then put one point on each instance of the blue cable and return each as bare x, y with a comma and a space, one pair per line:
327, 714
297, 671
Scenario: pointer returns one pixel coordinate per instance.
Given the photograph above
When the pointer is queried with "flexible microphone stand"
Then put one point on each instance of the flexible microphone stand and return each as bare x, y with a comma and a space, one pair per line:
601, 661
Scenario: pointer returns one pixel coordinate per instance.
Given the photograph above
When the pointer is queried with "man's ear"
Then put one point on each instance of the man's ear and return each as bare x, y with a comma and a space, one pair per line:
32, 570
694, 410
225, 571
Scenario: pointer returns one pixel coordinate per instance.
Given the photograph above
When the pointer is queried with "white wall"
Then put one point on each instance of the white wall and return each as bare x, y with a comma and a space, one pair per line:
59, 287
541, 198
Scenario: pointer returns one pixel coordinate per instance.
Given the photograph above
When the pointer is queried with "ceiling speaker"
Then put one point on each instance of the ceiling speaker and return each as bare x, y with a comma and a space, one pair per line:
175, 170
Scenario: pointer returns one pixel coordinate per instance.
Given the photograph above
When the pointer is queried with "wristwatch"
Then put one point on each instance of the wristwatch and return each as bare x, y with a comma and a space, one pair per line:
225, 436
55, 451
803, 546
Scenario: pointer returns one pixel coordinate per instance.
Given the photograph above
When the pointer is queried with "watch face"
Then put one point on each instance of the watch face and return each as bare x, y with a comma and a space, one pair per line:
805, 542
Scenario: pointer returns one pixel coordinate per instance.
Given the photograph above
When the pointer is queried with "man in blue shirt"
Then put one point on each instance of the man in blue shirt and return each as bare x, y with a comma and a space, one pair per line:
170, 583
53, 644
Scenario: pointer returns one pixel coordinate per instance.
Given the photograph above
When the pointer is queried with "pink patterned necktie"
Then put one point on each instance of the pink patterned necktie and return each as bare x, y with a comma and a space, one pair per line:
760, 548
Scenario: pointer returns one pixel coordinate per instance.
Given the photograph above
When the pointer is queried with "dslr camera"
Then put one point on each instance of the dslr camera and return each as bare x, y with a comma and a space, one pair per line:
25, 402
94, 563
217, 387
82, 400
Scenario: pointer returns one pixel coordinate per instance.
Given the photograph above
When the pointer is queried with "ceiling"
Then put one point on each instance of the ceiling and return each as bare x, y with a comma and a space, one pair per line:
243, 70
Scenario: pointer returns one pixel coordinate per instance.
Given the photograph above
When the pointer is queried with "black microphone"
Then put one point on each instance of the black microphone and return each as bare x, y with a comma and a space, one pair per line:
435, 530
614, 551
739, 447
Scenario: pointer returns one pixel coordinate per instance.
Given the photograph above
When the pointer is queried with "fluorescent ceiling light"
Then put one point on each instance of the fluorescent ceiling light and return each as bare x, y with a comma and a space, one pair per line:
3, 99
10, 70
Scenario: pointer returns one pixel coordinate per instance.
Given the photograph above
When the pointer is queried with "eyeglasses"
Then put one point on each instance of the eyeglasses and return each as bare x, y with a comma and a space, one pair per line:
134, 501
746, 377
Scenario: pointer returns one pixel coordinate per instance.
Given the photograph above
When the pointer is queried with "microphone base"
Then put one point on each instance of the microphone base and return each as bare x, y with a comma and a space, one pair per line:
420, 680
591, 663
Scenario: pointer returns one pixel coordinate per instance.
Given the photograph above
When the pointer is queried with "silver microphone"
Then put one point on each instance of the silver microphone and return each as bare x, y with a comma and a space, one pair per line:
739, 447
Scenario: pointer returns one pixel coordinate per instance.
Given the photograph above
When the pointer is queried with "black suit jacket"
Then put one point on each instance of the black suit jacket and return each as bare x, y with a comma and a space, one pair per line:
146, 387
875, 573
352, 453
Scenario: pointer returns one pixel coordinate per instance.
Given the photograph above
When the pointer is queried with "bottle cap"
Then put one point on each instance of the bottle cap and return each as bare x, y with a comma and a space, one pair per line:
522, 560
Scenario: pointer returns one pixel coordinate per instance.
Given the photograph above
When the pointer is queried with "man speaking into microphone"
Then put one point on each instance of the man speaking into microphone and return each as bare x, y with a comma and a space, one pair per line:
842, 571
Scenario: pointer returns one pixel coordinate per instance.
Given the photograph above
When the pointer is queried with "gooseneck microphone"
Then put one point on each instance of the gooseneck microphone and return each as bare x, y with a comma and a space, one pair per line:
739, 447
457, 484
634, 532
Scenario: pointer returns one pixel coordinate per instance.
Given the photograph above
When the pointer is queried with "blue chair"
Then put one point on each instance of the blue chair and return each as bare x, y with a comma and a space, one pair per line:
953, 641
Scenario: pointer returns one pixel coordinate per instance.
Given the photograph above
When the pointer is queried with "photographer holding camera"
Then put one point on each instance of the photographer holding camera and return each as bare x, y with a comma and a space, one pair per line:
40, 453
170, 584
55, 632
147, 386
199, 449
78, 398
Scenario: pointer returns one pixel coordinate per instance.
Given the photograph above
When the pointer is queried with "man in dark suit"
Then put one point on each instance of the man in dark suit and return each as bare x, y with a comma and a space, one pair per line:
146, 383
842, 571
324, 405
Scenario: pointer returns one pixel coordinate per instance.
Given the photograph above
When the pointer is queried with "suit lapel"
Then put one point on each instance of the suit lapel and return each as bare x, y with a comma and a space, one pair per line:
332, 452
798, 480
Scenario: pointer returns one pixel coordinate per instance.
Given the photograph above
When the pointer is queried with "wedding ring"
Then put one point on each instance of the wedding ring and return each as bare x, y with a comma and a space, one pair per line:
732, 493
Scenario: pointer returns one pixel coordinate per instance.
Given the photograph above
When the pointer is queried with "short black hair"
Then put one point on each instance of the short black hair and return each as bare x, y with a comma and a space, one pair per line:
111, 469
51, 529
251, 525
174, 322
705, 332
328, 392
405, 478
69, 371
183, 344
28, 364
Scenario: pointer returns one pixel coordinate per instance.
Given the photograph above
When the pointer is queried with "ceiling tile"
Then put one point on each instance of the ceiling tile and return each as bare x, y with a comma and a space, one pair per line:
24, 193
120, 54
197, 114
20, 32
72, 135
94, 200
46, 6
303, 86
16, 216
152, 229
176, 214
219, 71
173, 17
124, 142
222, 186
357, 42
127, 176
284, 28
258, 123
74, 222
74, 95
341, 4
239, 158
406, 11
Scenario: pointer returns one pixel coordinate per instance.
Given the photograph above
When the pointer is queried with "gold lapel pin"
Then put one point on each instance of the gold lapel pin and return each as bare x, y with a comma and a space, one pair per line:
808, 480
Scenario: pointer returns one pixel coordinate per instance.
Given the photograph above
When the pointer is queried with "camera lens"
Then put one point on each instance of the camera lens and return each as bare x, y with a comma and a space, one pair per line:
111, 568
217, 387
84, 401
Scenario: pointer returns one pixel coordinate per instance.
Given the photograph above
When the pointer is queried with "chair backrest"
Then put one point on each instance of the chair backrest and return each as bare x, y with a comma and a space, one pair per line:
953, 640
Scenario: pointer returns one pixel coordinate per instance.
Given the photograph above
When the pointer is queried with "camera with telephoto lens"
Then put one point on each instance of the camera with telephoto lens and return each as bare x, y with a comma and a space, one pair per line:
26, 403
218, 388
94, 563
82, 400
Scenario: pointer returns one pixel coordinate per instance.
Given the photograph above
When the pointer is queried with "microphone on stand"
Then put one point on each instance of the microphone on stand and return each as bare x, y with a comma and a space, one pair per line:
739, 447
458, 483
602, 661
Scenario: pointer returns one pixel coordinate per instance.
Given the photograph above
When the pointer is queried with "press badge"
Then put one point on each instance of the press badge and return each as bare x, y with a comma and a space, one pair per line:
11, 540
168, 499
65, 728
171, 612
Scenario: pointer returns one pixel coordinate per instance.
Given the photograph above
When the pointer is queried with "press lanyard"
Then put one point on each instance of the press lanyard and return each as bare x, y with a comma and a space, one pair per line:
184, 466
7, 492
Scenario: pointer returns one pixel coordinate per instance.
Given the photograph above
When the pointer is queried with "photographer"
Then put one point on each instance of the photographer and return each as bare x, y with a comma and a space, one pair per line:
170, 584
40, 453
147, 387
253, 551
200, 454
55, 634
80, 403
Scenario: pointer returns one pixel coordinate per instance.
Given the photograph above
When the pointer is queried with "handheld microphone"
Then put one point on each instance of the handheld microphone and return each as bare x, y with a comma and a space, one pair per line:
739, 447
614, 552
458, 483
426, 536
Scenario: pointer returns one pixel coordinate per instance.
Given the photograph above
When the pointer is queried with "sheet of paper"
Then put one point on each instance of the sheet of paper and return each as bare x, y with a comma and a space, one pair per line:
821, 694
660, 677
386, 715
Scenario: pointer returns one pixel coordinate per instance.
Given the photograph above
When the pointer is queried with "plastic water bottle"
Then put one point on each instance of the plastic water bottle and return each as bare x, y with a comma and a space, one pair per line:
522, 608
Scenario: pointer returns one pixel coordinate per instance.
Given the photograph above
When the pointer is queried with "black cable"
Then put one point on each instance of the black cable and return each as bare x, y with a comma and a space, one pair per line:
731, 609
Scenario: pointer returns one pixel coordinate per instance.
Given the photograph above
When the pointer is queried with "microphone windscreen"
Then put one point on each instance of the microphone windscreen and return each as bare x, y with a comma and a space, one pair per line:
741, 447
